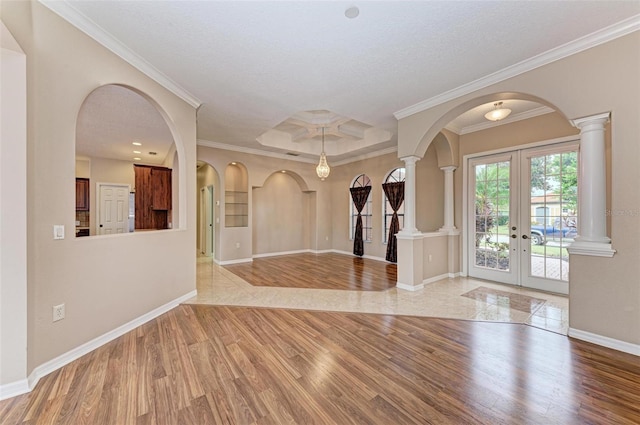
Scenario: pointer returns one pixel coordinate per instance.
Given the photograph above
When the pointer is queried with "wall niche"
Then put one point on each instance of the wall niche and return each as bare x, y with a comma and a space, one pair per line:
236, 196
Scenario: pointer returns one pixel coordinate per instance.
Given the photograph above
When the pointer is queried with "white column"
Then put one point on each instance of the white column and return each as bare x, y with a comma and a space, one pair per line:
409, 227
448, 198
592, 225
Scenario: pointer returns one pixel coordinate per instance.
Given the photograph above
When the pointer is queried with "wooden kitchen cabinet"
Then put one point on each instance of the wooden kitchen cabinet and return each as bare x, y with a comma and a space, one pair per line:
82, 194
161, 186
153, 197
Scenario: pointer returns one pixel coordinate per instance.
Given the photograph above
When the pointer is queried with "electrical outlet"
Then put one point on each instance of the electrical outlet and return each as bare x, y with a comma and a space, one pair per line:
58, 312
237, 244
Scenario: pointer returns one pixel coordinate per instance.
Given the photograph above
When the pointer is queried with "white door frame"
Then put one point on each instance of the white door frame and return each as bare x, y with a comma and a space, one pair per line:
511, 276
525, 219
464, 267
99, 201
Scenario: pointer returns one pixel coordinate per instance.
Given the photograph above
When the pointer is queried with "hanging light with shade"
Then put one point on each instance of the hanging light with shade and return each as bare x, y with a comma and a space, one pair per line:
323, 169
497, 113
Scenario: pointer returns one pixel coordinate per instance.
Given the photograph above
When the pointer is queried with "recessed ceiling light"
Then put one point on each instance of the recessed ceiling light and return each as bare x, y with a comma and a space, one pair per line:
283, 171
136, 144
137, 159
352, 12
137, 152
233, 163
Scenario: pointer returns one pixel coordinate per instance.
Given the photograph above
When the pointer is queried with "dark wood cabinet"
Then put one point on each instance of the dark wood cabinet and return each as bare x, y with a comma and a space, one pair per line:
161, 186
153, 197
82, 194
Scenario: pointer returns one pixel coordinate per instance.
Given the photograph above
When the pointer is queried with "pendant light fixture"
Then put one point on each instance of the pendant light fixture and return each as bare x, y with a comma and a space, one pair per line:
498, 113
323, 169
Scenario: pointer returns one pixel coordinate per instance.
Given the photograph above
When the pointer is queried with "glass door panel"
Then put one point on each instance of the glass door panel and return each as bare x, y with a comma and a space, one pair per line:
550, 209
490, 247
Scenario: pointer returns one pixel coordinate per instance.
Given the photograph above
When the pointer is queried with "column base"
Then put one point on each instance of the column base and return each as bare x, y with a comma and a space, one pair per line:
594, 249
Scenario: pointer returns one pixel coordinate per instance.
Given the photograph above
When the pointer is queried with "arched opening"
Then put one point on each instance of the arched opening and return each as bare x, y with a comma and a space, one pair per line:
208, 211
127, 164
509, 170
285, 215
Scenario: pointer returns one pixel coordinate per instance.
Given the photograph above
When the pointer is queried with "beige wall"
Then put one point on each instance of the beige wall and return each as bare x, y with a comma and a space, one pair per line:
317, 198
13, 216
604, 292
341, 178
280, 211
429, 197
103, 281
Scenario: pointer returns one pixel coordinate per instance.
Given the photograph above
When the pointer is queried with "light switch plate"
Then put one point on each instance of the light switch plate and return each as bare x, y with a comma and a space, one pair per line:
58, 231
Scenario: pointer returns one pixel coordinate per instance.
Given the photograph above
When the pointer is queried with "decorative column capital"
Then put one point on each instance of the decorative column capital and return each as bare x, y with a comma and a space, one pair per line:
449, 168
595, 120
410, 160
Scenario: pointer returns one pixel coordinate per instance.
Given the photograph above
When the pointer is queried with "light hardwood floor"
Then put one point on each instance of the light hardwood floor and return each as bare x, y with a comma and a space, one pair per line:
234, 365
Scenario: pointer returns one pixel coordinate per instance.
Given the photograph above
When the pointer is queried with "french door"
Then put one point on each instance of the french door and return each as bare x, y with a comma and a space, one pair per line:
522, 216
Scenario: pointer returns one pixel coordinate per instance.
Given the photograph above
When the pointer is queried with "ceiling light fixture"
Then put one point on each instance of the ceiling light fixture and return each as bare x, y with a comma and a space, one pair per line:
498, 113
323, 169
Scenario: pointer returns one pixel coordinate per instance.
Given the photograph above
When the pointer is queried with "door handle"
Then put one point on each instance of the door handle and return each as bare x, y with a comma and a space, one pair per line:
525, 237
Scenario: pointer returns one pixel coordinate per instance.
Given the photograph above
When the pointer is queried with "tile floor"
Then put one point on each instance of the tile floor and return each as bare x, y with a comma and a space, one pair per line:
459, 298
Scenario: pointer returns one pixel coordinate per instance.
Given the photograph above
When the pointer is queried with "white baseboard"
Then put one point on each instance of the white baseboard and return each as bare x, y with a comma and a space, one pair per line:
436, 278
453, 275
238, 261
20, 387
14, 389
406, 287
276, 254
625, 347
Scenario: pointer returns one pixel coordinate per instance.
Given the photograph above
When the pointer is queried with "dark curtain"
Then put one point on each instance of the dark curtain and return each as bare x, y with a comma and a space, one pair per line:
359, 196
395, 195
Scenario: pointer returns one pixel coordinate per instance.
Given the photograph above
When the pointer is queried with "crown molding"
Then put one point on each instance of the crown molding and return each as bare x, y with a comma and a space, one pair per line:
69, 13
252, 151
365, 156
602, 36
512, 118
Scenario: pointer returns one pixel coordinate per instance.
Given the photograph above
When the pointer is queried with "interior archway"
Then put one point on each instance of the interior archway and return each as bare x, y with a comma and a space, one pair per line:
432, 131
118, 128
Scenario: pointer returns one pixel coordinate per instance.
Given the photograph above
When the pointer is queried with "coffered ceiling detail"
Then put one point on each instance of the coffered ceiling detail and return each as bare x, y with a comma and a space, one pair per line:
302, 133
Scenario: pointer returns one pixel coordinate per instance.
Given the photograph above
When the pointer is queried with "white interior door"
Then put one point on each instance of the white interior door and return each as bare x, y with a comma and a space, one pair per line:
113, 208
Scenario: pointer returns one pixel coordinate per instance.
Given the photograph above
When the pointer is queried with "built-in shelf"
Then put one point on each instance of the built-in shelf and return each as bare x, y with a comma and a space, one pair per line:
236, 212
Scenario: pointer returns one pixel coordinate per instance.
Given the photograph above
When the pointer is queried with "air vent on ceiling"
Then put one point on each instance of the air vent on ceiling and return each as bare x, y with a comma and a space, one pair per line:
293, 154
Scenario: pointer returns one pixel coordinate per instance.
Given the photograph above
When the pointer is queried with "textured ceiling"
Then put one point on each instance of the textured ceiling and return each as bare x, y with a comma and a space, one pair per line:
253, 65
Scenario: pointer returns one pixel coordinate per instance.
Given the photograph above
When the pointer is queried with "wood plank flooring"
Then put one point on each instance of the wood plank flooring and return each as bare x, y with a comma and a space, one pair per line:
318, 271
223, 365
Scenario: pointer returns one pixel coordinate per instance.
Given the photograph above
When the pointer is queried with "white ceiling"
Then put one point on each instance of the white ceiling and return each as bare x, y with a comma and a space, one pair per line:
254, 65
